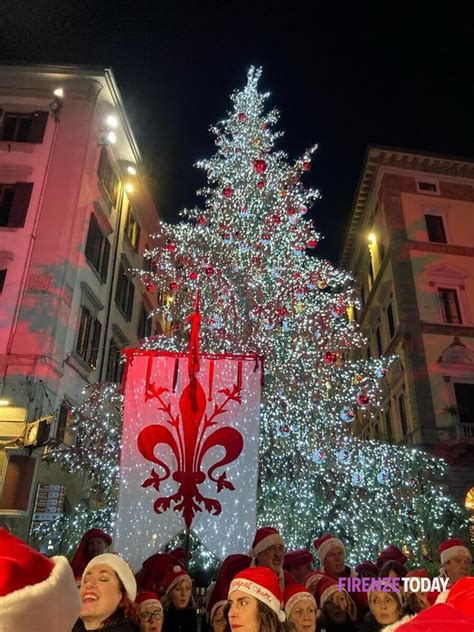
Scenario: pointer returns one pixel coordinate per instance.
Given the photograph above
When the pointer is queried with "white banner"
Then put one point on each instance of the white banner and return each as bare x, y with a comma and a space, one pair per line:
189, 453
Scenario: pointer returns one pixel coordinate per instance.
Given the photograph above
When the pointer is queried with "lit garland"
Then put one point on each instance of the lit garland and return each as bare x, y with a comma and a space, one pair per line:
260, 292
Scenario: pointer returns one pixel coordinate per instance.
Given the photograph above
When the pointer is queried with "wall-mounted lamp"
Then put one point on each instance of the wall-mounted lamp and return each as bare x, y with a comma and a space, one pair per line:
131, 170
108, 136
56, 105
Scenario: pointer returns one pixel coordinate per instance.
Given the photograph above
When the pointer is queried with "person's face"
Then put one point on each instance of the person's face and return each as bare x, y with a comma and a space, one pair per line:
334, 562
337, 608
384, 608
219, 620
421, 601
300, 572
181, 594
100, 594
96, 546
458, 567
243, 613
151, 617
303, 616
272, 557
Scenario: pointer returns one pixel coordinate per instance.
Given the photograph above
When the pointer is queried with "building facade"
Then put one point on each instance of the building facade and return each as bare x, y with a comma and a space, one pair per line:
410, 246
75, 218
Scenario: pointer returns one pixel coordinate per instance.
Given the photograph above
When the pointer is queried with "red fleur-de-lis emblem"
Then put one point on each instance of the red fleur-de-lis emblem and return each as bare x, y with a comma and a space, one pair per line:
190, 433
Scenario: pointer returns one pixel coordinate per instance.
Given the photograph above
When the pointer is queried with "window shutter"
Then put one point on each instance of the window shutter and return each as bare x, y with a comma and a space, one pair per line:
91, 239
83, 334
17, 482
130, 297
95, 344
38, 127
62, 423
120, 282
20, 204
105, 260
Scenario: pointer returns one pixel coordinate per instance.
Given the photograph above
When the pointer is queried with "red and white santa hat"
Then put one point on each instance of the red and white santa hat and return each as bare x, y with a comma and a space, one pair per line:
120, 567
265, 537
261, 583
324, 544
325, 589
35, 592
312, 580
173, 575
148, 600
297, 558
452, 548
232, 565
439, 618
293, 594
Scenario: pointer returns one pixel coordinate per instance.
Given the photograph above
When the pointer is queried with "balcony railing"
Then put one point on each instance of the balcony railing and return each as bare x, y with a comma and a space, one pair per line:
461, 431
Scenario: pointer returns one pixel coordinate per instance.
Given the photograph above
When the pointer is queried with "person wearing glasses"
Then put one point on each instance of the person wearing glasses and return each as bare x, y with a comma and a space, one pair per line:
150, 611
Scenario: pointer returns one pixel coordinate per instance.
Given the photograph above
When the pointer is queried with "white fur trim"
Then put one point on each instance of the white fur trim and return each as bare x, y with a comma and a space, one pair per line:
218, 604
454, 551
326, 546
121, 568
148, 602
330, 590
258, 592
53, 604
270, 540
397, 624
177, 580
292, 601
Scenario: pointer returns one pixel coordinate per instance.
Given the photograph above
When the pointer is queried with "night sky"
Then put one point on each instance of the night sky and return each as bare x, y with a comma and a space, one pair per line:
397, 74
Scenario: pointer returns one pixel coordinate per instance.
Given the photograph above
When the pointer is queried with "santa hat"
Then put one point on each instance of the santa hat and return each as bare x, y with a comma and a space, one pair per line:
391, 554
324, 544
367, 567
461, 596
452, 548
152, 575
261, 583
148, 599
265, 537
297, 558
326, 587
312, 580
293, 594
35, 592
173, 575
121, 568
81, 556
232, 565
439, 618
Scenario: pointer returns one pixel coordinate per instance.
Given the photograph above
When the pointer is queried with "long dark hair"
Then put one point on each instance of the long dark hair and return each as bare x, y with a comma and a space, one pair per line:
127, 610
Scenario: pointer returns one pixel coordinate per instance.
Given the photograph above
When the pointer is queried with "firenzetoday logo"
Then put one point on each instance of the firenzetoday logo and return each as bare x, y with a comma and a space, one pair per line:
392, 584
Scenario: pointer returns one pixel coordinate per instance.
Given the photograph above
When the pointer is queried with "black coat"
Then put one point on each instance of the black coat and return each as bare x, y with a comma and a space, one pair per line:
179, 620
119, 626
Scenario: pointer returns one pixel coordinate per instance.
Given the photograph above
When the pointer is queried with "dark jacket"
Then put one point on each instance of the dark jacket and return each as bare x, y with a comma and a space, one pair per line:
118, 626
179, 620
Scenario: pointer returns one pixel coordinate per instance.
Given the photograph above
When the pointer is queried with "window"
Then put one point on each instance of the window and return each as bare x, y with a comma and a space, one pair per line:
114, 366
403, 414
97, 249
144, 325
449, 306
107, 177
19, 472
435, 228
464, 397
390, 320
14, 202
22, 127
3, 275
88, 339
388, 424
132, 230
378, 339
427, 187
64, 432
125, 292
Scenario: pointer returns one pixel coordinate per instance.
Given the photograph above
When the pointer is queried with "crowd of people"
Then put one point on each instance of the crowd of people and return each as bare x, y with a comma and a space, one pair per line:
269, 590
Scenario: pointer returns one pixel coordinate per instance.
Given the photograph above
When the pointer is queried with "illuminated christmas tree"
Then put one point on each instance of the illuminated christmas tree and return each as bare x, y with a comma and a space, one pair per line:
248, 253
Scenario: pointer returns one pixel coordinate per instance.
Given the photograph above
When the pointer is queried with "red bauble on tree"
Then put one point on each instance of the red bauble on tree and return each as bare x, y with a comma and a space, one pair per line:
282, 312
170, 247
242, 117
227, 192
306, 165
260, 185
202, 220
362, 399
259, 165
174, 286
276, 219
209, 270
330, 357
303, 209
150, 287
312, 243
193, 276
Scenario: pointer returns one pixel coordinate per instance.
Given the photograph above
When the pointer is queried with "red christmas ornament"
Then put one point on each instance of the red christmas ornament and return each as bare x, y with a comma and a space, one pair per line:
209, 270
291, 211
330, 357
259, 165
170, 247
150, 287
312, 243
242, 117
303, 209
193, 276
260, 185
306, 165
264, 126
276, 219
285, 429
174, 286
282, 312
362, 399
295, 276
340, 310
202, 220
227, 192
